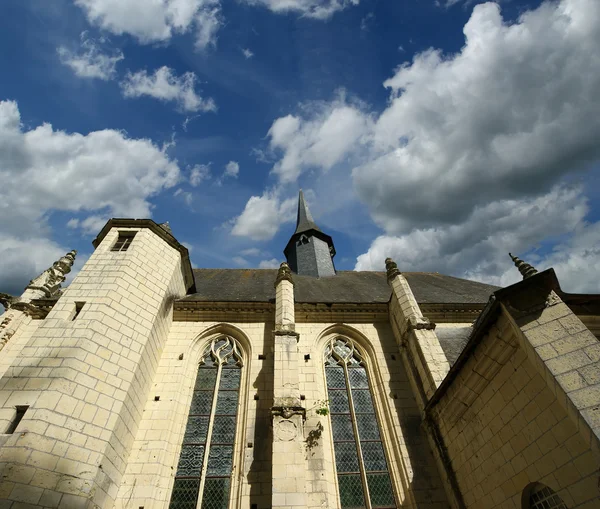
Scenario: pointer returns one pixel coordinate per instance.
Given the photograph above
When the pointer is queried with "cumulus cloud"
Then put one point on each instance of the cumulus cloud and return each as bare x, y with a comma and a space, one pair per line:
247, 52
471, 146
99, 174
273, 263
322, 139
318, 9
91, 61
262, 216
165, 86
156, 20
199, 173
232, 169
478, 247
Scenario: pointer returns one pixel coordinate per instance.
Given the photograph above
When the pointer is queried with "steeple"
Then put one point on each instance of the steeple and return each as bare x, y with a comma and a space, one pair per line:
525, 269
309, 251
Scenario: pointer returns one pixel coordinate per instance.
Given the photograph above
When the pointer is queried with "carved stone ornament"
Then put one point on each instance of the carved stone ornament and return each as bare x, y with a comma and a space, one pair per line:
391, 268
285, 430
525, 268
288, 412
419, 323
284, 273
50, 280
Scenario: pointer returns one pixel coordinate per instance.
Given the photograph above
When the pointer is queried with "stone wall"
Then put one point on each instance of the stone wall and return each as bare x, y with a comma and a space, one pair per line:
149, 477
504, 428
84, 379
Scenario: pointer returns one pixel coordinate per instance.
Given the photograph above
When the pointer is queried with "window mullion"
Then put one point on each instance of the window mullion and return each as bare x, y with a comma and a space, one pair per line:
361, 464
211, 422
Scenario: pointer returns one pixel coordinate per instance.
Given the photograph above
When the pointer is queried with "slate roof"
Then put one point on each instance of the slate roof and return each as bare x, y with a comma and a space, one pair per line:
452, 340
256, 285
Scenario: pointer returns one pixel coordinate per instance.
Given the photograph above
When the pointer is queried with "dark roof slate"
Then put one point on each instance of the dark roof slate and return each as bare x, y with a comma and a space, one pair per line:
256, 285
452, 340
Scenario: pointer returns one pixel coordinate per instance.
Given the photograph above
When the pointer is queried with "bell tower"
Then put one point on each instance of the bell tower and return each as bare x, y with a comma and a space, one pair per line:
309, 251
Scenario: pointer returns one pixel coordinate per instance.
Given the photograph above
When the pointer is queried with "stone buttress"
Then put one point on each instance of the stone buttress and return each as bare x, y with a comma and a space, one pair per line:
289, 471
83, 376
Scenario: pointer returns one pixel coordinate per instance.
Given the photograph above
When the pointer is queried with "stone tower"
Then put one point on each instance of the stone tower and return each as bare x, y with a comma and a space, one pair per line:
309, 251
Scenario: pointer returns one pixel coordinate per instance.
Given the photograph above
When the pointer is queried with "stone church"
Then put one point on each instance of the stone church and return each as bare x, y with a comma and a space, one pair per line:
147, 384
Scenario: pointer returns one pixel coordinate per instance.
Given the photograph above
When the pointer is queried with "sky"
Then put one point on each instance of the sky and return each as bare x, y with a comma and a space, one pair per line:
442, 133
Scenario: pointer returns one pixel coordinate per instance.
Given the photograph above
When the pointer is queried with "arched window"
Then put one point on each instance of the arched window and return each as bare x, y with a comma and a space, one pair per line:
540, 496
203, 474
362, 471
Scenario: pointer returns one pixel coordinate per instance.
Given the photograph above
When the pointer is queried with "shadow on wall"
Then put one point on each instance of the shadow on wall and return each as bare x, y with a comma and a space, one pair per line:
425, 485
260, 472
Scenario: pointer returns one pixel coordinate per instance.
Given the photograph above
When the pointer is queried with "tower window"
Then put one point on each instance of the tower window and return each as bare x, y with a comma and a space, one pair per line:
78, 308
123, 241
203, 477
361, 465
540, 496
21, 409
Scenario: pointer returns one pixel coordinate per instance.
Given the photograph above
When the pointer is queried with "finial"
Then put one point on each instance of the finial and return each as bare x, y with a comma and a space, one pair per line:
50, 280
166, 226
392, 269
525, 269
284, 272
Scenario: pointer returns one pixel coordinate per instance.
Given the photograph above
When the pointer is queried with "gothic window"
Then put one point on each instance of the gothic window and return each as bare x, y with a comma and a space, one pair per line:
362, 470
543, 497
203, 476
123, 241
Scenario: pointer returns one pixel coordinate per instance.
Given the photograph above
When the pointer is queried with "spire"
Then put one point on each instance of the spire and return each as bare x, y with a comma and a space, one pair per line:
524, 268
309, 252
305, 220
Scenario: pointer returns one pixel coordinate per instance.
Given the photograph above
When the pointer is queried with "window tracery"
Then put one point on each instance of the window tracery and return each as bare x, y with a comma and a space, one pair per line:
362, 471
203, 477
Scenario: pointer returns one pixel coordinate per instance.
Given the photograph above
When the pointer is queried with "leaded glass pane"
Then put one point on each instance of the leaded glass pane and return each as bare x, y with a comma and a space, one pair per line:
380, 490
206, 379
362, 401
185, 494
367, 427
346, 458
219, 460
230, 378
342, 427
223, 429
201, 402
341, 348
373, 456
338, 402
216, 494
351, 491
227, 402
335, 378
196, 430
190, 461
358, 378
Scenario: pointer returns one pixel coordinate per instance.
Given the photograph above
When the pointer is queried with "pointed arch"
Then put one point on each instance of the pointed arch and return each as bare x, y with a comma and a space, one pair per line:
210, 452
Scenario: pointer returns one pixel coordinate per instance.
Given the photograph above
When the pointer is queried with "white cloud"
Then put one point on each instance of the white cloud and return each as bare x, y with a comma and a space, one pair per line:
262, 216
247, 52
166, 86
91, 62
252, 251
199, 173
186, 196
232, 169
321, 140
470, 143
156, 20
99, 174
273, 263
240, 261
318, 9
478, 247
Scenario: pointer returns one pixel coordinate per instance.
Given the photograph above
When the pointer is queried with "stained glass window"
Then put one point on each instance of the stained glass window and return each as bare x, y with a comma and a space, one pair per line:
363, 476
203, 475
543, 497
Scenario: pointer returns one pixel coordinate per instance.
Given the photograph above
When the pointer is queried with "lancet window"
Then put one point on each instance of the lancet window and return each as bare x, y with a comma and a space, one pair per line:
362, 469
203, 477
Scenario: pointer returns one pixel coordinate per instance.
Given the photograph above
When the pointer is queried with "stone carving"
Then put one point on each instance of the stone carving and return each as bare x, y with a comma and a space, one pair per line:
8, 300
525, 269
285, 430
392, 269
50, 280
284, 273
288, 411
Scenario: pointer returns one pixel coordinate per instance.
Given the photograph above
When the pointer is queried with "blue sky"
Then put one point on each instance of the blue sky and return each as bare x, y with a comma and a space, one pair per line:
443, 134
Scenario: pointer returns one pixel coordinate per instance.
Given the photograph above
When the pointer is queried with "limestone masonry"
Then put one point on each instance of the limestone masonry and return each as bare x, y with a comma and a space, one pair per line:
146, 384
